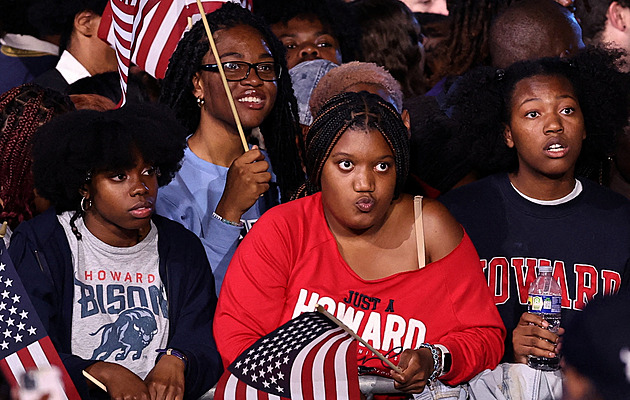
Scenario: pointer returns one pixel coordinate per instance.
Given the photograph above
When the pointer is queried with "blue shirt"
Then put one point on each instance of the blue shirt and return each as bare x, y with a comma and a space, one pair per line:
191, 198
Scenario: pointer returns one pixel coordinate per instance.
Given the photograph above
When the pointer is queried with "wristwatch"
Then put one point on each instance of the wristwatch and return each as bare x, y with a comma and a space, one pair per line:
447, 360
172, 352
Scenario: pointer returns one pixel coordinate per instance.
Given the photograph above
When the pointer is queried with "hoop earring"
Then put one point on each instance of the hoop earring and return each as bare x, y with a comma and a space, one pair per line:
201, 101
84, 206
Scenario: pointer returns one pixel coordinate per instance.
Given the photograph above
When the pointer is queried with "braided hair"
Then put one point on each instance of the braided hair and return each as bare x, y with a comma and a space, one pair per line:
23, 110
467, 44
354, 110
280, 129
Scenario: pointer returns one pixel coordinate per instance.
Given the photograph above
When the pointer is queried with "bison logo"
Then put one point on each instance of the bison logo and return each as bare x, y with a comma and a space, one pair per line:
132, 331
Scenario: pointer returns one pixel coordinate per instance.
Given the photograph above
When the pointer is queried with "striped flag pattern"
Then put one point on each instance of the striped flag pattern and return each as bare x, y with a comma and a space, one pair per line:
307, 358
24, 343
146, 32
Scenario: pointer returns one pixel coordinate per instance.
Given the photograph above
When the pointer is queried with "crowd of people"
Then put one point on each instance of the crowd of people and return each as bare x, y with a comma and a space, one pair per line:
406, 165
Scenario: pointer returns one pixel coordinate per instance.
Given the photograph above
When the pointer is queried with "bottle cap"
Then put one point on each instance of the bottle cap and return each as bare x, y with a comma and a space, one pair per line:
545, 268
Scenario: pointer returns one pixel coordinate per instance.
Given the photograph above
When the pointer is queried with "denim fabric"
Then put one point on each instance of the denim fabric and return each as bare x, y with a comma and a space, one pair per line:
516, 382
305, 76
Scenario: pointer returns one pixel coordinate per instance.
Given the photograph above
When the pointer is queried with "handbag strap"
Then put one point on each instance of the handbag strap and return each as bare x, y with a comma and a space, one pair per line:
417, 210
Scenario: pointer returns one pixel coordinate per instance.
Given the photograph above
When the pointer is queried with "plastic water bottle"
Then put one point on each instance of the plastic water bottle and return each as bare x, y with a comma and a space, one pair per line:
545, 299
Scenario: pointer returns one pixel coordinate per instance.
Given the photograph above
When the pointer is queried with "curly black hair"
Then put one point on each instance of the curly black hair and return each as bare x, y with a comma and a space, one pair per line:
478, 108
336, 15
354, 110
280, 129
74, 146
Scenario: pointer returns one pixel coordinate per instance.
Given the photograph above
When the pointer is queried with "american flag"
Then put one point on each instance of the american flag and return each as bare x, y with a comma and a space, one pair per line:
24, 343
307, 358
146, 32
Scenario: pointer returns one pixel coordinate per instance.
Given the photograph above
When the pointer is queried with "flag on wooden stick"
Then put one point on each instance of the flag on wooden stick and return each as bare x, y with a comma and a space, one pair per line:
309, 357
146, 32
24, 343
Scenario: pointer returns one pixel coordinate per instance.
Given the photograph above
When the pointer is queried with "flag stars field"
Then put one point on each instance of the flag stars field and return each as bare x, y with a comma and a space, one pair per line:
23, 345
10, 322
285, 354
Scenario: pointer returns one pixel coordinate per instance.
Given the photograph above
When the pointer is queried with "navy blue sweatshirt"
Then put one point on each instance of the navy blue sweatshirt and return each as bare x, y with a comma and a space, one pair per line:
41, 254
586, 239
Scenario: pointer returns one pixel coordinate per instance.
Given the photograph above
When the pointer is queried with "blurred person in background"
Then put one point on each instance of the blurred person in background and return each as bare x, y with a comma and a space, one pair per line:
392, 39
596, 350
29, 39
312, 29
83, 53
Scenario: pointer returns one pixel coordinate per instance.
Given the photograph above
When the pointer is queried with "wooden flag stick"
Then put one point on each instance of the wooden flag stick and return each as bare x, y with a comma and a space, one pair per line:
357, 337
95, 381
215, 52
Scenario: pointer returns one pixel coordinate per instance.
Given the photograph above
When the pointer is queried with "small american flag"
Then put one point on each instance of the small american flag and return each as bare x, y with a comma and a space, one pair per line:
146, 32
24, 343
307, 358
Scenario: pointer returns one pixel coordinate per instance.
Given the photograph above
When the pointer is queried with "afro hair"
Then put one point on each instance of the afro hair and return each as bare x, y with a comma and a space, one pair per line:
74, 146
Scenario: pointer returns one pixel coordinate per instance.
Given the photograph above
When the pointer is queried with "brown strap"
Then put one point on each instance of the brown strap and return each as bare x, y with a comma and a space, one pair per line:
417, 210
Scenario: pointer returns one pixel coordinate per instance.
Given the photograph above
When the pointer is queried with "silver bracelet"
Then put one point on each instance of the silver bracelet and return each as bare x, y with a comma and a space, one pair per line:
437, 360
238, 224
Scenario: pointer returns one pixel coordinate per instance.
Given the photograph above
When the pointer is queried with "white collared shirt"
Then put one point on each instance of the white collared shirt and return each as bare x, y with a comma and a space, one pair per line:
70, 68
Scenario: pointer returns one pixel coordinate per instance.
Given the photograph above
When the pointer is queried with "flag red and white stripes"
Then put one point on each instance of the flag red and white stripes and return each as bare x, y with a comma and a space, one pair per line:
146, 32
37, 355
24, 343
307, 358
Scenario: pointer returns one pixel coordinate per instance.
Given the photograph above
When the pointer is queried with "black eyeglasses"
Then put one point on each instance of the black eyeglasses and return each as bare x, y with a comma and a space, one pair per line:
238, 70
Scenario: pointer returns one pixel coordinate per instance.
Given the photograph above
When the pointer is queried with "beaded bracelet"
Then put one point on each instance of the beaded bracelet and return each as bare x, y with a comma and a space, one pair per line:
436, 361
238, 224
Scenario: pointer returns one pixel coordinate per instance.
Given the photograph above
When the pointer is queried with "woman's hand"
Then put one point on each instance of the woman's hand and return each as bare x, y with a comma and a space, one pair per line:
532, 338
417, 367
565, 3
247, 180
166, 379
119, 381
